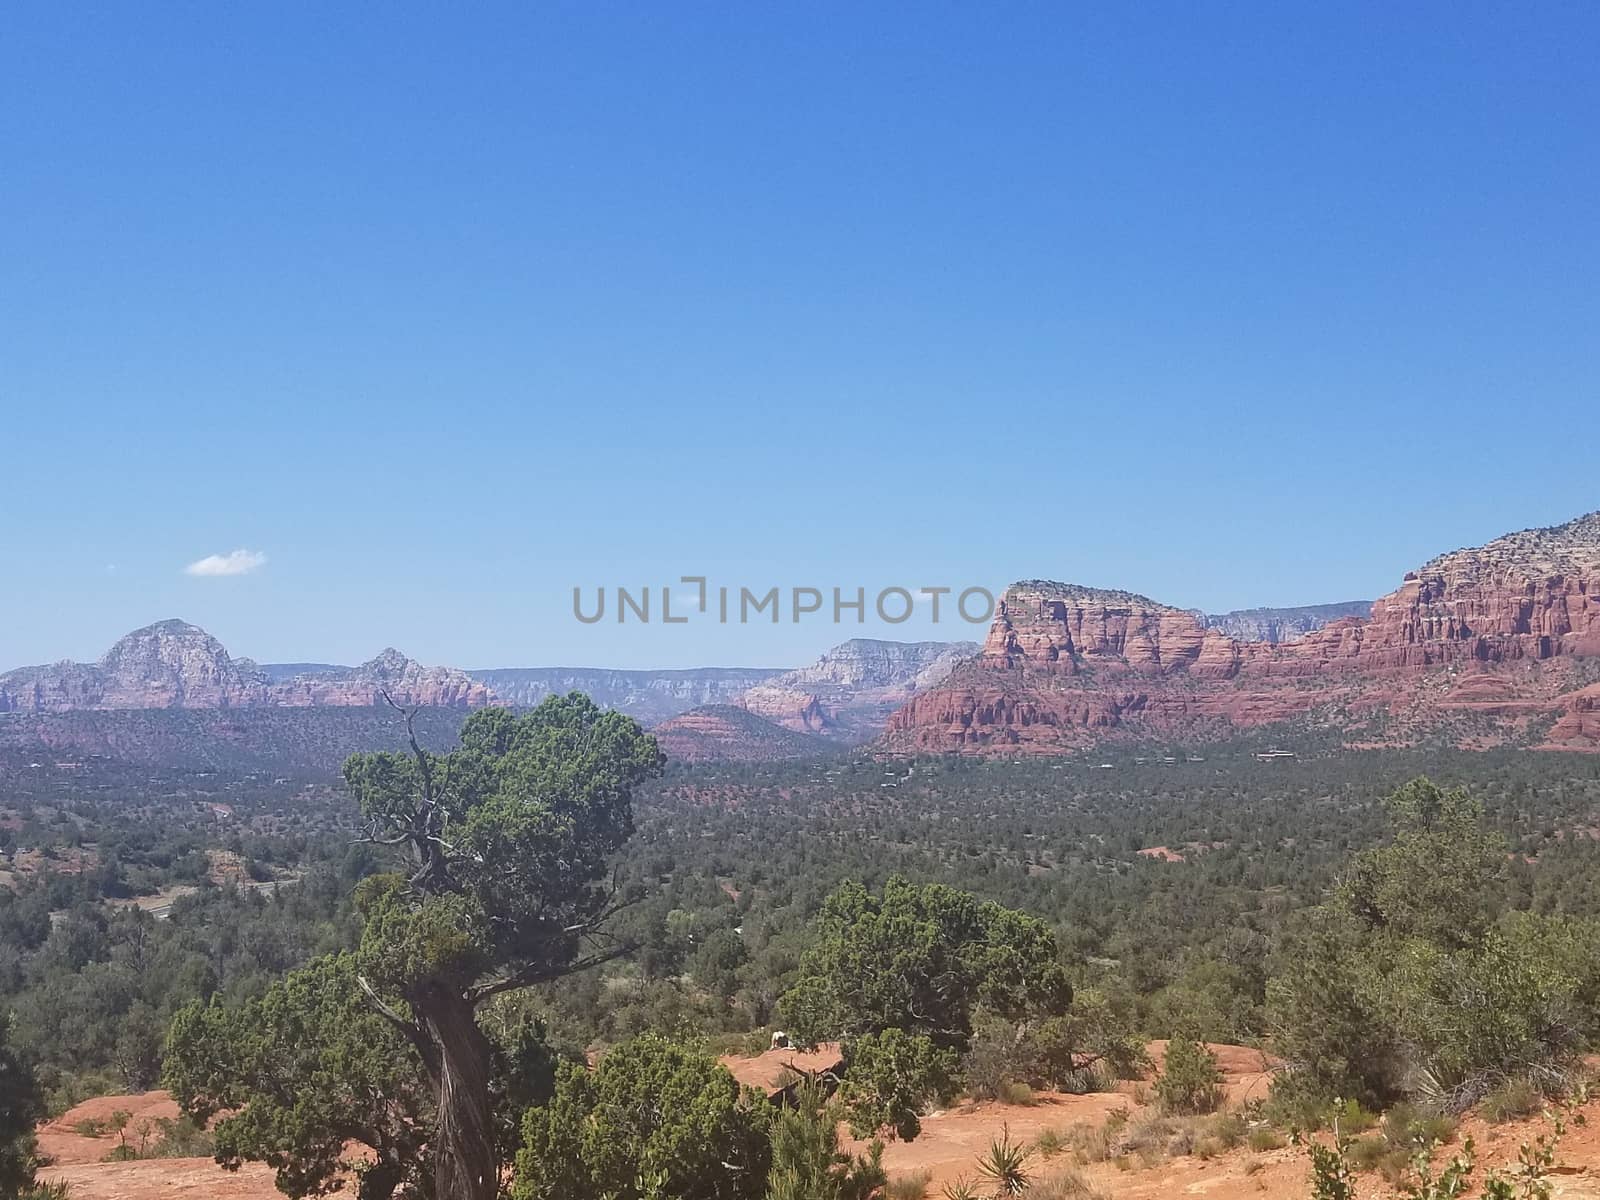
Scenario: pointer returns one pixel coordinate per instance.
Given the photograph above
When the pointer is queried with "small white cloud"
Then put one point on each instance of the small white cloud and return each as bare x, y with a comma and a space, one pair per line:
239, 562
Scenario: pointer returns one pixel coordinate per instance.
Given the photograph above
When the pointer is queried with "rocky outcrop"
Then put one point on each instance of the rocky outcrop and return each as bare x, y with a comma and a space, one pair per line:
405, 681
1281, 625
1493, 633
1579, 726
647, 696
725, 731
848, 693
173, 664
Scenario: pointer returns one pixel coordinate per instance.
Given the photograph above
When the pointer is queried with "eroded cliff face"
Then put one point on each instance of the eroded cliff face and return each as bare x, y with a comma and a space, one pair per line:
1492, 632
173, 664
849, 692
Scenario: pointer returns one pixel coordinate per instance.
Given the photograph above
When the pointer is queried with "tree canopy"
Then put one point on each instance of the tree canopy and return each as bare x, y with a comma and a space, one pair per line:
898, 977
654, 1120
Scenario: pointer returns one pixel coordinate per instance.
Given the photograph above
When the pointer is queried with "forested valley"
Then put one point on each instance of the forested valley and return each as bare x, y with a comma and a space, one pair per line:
475, 963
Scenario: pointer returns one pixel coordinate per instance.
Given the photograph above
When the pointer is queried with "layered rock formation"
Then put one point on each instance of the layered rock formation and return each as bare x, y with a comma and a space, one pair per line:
173, 664
406, 681
647, 696
848, 693
1280, 625
1501, 634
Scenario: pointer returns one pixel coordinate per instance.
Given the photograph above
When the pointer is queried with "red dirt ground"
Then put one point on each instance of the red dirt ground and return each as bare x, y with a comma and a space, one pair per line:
950, 1143
80, 1161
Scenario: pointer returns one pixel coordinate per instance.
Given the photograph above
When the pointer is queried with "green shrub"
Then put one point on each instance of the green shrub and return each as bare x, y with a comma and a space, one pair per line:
1377, 1153
1190, 1081
1352, 1117
1016, 1093
1412, 1127
1005, 1166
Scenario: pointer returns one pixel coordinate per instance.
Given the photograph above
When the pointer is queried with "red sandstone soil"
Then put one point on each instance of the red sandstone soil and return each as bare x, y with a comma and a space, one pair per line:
950, 1143
79, 1161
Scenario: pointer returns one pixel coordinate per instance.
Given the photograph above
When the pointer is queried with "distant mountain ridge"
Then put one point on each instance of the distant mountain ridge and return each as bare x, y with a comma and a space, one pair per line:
173, 664
647, 696
1279, 625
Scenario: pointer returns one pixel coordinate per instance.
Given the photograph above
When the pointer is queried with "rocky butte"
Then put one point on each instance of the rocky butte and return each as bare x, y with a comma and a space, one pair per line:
1499, 644
173, 664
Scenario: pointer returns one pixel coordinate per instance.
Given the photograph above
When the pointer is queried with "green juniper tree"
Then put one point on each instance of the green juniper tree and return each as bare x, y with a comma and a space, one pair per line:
654, 1120
508, 839
898, 978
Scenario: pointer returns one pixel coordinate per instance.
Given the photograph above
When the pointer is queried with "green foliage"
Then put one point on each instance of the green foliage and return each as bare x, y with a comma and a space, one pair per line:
807, 1163
899, 977
508, 833
1511, 1101
20, 1107
921, 959
1331, 1175
1004, 1166
1190, 1080
890, 1077
653, 1120
1404, 985
1087, 1048
299, 1072
1435, 879
1528, 1179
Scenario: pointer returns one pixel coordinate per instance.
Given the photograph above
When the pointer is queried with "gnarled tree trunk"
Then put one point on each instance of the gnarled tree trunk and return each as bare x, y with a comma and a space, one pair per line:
465, 1164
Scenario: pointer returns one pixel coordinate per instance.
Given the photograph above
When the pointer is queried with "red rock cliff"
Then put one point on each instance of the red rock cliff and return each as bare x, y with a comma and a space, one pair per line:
1065, 665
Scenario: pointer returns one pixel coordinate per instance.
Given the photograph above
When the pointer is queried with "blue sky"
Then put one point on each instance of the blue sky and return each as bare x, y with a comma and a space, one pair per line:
445, 310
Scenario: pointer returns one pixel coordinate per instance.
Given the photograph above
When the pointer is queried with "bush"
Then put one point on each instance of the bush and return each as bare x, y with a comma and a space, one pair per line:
1263, 1139
1411, 1127
1016, 1093
1352, 1117
908, 1187
1377, 1154
1190, 1081
1511, 1101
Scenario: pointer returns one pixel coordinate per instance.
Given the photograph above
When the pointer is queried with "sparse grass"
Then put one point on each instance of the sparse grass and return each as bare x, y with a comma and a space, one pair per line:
908, 1187
93, 1127
1265, 1138
1511, 1101
1227, 1129
1064, 1185
1092, 1143
1050, 1143
1377, 1153
1411, 1127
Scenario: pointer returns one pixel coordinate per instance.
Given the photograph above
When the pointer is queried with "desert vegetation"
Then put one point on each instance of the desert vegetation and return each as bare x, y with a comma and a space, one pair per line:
470, 960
